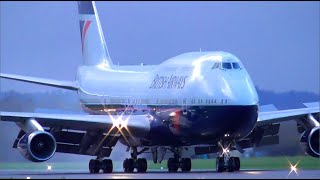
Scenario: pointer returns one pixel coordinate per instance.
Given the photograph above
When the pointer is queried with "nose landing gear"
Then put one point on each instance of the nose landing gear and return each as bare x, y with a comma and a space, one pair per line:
227, 163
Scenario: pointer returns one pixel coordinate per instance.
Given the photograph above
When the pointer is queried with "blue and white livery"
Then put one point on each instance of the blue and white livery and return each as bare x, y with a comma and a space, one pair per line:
201, 101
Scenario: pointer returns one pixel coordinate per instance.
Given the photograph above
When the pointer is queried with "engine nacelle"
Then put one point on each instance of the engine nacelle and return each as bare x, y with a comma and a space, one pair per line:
310, 142
37, 146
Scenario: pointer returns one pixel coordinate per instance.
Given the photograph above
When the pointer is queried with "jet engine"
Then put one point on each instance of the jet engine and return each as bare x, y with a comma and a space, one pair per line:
37, 146
310, 142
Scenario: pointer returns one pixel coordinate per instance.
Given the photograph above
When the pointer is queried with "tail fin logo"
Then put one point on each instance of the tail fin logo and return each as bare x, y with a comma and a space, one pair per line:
84, 26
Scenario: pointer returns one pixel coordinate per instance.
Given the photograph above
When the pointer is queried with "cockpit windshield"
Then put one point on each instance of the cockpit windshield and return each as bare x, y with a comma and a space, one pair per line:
226, 65
236, 65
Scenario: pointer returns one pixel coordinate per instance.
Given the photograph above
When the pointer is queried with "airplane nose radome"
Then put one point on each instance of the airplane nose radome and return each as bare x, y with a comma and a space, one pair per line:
244, 92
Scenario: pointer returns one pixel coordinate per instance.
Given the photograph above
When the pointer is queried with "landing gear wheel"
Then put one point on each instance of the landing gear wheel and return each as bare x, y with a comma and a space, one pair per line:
220, 164
172, 165
231, 164
91, 165
237, 163
125, 165
130, 165
94, 166
142, 165
185, 164
107, 166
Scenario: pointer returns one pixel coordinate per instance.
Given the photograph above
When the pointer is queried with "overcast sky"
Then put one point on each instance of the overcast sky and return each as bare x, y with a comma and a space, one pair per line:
278, 42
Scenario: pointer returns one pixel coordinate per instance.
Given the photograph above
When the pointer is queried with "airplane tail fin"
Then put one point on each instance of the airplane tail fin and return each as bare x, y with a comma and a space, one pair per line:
94, 48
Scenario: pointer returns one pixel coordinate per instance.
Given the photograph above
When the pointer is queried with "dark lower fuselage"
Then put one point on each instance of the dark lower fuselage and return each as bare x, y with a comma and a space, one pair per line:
191, 125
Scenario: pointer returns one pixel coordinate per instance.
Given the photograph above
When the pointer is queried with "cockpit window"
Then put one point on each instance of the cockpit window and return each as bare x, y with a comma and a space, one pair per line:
236, 65
226, 66
216, 65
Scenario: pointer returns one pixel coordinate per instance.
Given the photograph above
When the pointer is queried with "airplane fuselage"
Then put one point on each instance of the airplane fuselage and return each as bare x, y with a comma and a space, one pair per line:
194, 98
201, 102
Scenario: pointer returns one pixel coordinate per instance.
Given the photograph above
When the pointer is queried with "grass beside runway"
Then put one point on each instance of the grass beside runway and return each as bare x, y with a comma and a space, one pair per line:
267, 163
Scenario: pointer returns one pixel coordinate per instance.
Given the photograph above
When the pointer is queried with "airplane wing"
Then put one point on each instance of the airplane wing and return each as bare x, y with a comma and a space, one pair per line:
270, 117
70, 85
71, 130
135, 123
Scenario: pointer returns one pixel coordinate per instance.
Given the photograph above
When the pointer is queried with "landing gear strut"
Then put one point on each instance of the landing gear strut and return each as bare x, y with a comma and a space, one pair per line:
177, 162
139, 163
227, 163
105, 165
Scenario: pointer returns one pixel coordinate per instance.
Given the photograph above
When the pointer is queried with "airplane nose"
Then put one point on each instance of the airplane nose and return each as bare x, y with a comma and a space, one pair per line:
240, 90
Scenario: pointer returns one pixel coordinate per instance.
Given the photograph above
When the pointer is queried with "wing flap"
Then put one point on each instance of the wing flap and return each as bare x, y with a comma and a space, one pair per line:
70, 85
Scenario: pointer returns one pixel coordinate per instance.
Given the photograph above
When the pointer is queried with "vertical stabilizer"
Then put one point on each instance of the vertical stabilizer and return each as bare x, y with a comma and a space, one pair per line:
94, 48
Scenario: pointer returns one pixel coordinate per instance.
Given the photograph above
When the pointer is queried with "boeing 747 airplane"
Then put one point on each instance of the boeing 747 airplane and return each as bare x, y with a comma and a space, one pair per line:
199, 101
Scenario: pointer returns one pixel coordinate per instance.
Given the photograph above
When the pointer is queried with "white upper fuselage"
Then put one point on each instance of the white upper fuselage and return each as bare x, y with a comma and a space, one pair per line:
187, 79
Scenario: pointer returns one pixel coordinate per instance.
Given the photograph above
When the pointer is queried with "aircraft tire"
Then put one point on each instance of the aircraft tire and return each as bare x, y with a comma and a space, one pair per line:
142, 165
231, 165
172, 165
220, 164
94, 166
130, 165
186, 164
237, 163
107, 166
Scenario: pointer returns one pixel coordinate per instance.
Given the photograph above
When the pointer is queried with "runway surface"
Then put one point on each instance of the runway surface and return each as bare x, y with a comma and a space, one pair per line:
196, 174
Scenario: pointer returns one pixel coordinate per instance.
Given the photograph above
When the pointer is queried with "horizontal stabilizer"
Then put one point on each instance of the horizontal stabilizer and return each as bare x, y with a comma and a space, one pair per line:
70, 85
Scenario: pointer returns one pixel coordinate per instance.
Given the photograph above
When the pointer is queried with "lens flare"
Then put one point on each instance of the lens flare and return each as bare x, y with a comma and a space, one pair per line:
226, 150
293, 168
124, 123
118, 123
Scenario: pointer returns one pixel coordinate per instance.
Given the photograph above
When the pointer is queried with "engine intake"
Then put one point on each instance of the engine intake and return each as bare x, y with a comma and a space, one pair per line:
310, 142
37, 146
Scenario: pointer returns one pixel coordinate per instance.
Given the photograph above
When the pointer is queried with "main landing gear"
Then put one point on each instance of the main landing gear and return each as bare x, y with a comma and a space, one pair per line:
105, 165
177, 162
135, 163
227, 163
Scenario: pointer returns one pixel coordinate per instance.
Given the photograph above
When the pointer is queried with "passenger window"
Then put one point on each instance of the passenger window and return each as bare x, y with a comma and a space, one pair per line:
226, 66
236, 66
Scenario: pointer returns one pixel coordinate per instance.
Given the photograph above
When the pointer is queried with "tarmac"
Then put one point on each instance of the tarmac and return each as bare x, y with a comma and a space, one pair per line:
160, 174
